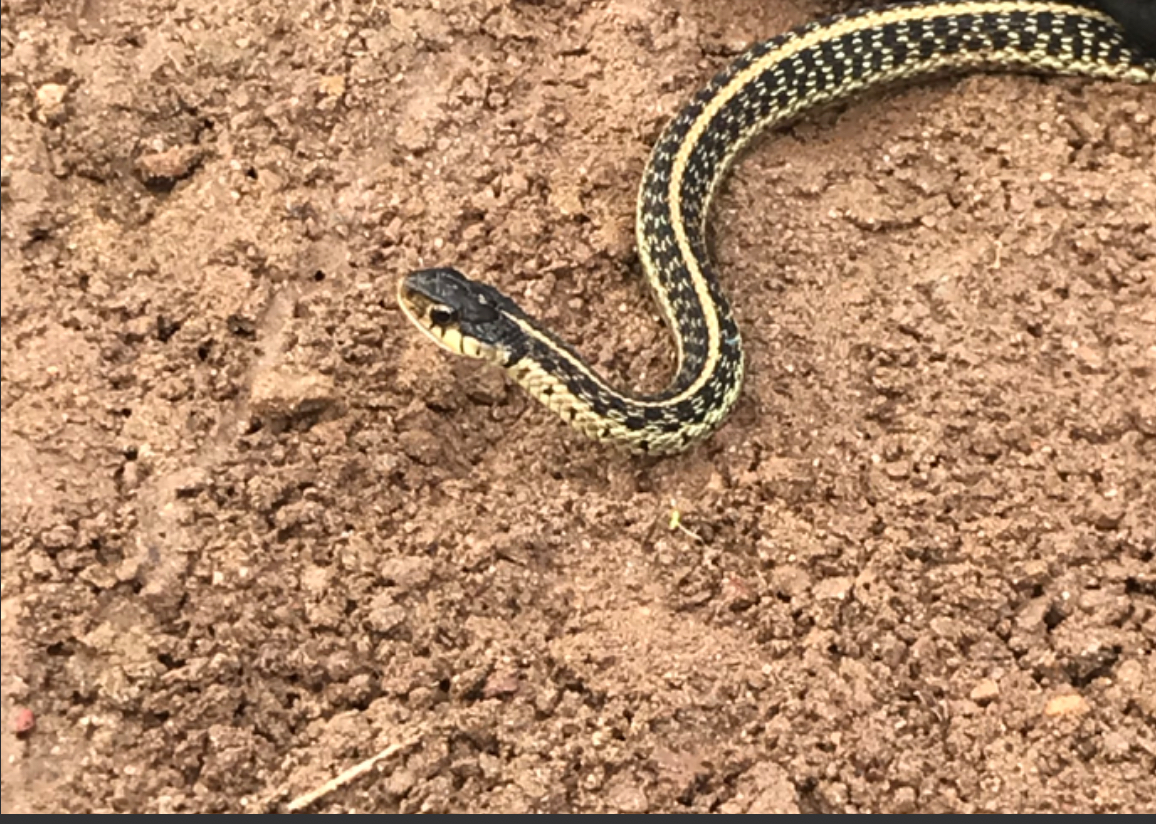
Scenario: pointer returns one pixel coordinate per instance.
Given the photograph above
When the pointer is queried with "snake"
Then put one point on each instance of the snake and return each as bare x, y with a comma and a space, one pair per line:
771, 84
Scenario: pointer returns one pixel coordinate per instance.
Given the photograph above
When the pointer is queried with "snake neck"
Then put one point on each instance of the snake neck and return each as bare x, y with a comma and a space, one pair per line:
549, 369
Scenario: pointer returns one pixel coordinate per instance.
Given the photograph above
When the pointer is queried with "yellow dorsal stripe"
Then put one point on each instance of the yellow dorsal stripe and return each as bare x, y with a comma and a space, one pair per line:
742, 79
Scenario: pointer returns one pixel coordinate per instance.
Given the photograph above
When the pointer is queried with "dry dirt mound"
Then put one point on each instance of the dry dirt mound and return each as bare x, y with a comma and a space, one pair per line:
256, 530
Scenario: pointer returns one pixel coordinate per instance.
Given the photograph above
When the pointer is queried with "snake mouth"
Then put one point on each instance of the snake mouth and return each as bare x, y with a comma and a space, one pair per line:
424, 299
430, 317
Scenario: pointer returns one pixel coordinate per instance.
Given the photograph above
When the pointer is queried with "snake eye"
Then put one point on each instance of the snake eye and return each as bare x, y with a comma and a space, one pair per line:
443, 316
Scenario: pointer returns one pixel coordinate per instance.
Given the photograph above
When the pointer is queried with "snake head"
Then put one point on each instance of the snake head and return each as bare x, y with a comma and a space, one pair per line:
462, 315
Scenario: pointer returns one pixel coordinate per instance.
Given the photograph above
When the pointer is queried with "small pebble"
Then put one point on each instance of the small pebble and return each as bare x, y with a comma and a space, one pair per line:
50, 102
1073, 704
23, 721
170, 165
985, 692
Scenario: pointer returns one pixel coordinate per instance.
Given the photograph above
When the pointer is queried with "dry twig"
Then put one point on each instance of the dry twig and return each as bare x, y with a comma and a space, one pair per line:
302, 801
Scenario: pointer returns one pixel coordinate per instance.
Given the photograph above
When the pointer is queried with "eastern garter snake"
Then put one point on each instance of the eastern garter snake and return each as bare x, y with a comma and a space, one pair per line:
771, 83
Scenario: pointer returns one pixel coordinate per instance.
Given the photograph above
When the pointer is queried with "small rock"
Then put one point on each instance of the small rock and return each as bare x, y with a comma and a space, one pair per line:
17, 688
406, 572
241, 326
1130, 674
1107, 513
530, 784
788, 580
1115, 745
835, 794
284, 396
332, 85
423, 447
23, 721
737, 593
985, 692
772, 791
834, 588
50, 102
99, 576
170, 165
905, 800
487, 387
626, 796
566, 197
500, 685
332, 89
400, 782
40, 564
1145, 417
59, 537
384, 615
1073, 704
468, 684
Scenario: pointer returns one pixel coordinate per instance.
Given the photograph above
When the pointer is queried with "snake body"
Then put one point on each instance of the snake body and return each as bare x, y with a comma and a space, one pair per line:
772, 83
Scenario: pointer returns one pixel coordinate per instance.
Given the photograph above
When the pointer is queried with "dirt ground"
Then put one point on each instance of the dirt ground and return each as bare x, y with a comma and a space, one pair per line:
257, 530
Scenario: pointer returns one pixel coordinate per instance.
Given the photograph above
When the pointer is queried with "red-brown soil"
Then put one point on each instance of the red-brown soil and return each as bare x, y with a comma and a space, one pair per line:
256, 529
